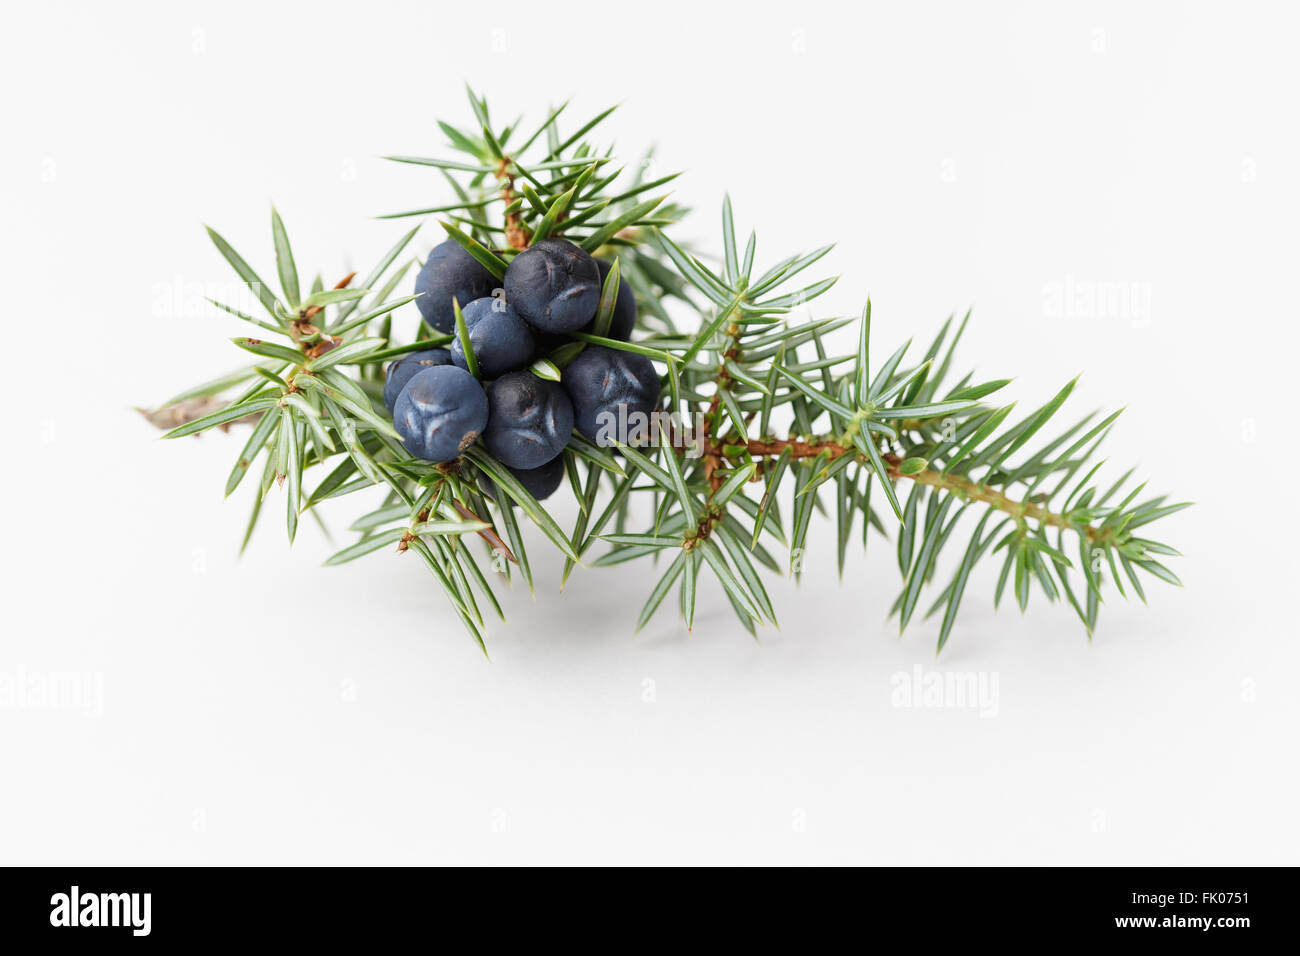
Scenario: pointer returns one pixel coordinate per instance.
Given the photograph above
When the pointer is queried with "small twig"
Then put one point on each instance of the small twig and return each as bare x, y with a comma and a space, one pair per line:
488, 534
961, 486
192, 409
315, 310
516, 232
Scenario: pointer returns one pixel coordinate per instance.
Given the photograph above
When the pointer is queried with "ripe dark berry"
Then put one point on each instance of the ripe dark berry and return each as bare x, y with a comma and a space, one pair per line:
554, 285
539, 482
599, 381
623, 320
401, 372
450, 271
440, 412
501, 340
531, 420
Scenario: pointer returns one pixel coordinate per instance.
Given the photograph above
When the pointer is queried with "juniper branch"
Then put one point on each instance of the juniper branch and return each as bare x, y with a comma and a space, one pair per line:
850, 429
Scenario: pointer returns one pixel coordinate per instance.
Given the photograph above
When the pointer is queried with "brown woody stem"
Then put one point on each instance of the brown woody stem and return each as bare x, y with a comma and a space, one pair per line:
516, 233
959, 485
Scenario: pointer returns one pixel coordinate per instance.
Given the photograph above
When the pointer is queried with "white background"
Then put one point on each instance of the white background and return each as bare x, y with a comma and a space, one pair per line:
271, 710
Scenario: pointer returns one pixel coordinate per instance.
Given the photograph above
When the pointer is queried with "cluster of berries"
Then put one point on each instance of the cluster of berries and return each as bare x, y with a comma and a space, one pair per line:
551, 289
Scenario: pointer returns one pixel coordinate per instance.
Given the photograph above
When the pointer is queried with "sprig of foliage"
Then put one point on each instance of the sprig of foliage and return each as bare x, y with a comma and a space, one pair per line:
782, 425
